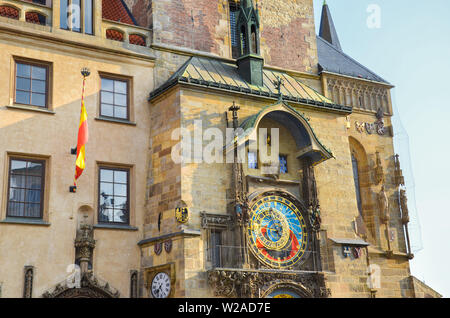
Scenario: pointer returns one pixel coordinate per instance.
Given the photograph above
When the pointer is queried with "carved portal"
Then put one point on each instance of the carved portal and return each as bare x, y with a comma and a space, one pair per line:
90, 287
256, 284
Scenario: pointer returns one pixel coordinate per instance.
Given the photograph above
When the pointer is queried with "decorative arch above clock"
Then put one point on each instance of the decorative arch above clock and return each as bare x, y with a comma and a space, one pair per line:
308, 144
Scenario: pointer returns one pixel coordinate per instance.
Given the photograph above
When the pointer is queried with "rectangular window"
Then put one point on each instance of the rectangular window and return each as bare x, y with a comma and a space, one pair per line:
283, 164
114, 98
252, 160
26, 188
113, 196
77, 15
31, 84
215, 248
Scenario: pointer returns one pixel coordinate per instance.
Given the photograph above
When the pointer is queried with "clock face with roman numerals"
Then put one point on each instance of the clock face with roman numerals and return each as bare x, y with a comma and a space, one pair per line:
277, 232
161, 285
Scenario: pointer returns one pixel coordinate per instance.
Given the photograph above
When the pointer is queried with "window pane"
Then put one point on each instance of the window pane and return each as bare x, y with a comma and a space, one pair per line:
75, 15
106, 189
17, 181
18, 166
252, 160
107, 110
120, 112
63, 14
17, 195
106, 175
120, 87
33, 210
107, 98
33, 196
34, 168
34, 183
23, 70
23, 84
39, 73
120, 176
283, 164
120, 99
39, 86
107, 85
120, 189
16, 209
88, 16
120, 203
22, 97
106, 215
120, 216
38, 99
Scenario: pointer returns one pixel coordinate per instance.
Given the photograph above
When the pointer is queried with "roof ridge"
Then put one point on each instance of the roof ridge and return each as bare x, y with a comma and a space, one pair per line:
351, 59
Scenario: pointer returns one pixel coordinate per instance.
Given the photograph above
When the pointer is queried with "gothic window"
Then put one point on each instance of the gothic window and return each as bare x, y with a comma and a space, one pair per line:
77, 15
243, 39
113, 199
234, 10
26, 188
357, 184
253, 40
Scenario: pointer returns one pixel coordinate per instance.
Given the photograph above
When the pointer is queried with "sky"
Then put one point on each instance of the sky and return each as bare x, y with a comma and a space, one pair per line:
407, 42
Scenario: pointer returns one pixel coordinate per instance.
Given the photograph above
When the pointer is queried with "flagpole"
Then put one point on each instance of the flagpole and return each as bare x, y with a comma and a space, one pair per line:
82, 135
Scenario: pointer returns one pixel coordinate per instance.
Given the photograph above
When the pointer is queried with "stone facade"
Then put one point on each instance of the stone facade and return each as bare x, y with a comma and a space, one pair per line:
357, 231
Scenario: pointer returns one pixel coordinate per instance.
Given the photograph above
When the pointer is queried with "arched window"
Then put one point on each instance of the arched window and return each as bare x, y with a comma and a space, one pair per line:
357, 184
114, 35
254, 46
35, 17
9, 12
243, 41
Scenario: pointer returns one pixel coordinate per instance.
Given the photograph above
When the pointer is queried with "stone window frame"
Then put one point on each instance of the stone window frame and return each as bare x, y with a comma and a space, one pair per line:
43, 220
130, 97
131, 194
49, 82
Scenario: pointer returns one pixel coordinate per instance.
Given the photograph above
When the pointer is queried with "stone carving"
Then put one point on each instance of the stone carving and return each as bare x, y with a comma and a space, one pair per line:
215, 220
404, 206
381, 129
253, 284
84, 246
383, 204
28, 282
398, 173
379, 173
90, 288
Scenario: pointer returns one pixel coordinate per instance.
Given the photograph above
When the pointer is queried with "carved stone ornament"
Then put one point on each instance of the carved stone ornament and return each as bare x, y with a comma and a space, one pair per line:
84, 245
404, 206
383, 204
210, 220
90, 287
168, 246
157, 248
398, 173
381, 129
258, 283
379, 172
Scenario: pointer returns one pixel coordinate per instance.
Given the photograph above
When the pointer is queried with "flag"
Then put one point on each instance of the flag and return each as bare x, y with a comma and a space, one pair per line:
80, 164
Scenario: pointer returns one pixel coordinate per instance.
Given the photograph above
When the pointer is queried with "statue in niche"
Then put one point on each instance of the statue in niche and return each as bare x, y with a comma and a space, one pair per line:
383, 204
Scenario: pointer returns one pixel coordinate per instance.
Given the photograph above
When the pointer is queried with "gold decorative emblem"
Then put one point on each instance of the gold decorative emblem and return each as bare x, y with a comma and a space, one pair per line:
182, 214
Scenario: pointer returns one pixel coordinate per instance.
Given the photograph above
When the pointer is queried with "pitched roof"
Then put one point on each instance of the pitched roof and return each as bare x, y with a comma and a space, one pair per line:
117, 10
332, 58
327, 29
224, 76
335, 61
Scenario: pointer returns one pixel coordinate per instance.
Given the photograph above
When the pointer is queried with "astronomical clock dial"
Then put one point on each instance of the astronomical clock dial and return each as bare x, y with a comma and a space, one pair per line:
161, 285
277, 233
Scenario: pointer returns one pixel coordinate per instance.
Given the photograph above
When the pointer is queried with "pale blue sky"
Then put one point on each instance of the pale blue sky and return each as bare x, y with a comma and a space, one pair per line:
411, 50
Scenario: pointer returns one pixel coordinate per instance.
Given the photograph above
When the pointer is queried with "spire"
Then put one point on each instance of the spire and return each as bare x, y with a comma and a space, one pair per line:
327, 29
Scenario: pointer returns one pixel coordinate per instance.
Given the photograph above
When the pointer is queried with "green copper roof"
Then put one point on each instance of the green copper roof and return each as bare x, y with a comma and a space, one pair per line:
219, 75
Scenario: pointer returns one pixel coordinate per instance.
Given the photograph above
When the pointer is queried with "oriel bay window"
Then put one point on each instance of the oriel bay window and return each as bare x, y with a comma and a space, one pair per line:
26, 188
114, 98
31, 84
113, 197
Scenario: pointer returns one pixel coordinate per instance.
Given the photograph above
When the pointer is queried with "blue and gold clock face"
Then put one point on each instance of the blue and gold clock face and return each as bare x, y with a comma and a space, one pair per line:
277, 232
